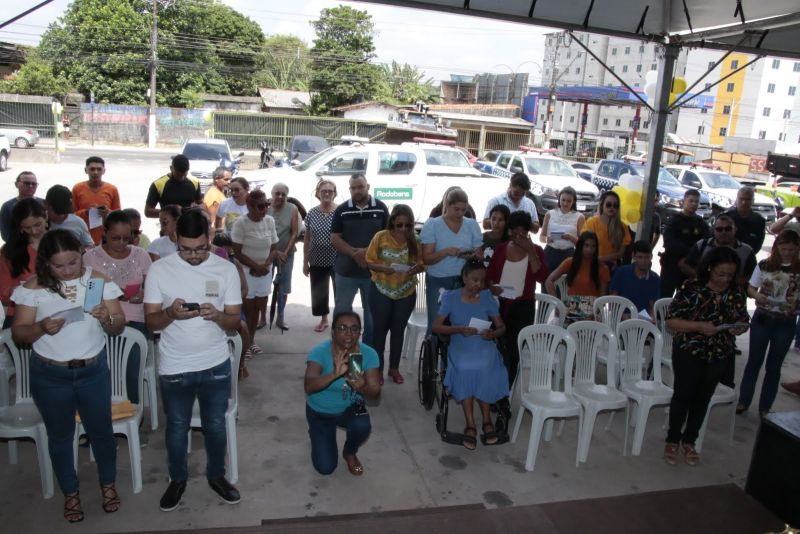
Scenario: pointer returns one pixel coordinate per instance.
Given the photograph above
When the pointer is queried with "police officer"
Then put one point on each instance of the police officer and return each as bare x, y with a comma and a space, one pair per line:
683, 230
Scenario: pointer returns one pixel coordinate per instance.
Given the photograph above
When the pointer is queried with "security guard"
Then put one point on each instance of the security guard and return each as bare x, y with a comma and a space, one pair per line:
683, 230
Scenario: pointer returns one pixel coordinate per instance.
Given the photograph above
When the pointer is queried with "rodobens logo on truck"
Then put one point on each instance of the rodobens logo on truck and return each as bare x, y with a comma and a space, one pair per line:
393, 193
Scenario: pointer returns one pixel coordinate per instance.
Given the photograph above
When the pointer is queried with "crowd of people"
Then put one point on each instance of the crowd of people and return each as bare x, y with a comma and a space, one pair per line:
220, 255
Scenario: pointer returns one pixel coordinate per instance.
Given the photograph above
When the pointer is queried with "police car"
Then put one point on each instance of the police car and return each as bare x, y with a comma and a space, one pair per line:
548, 174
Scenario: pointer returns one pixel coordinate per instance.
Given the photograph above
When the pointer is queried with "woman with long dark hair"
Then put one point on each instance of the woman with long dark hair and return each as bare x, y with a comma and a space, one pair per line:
775, 286
498, 219
586, 276
612, 234
68, 367
18, 255
706, 315
394, 257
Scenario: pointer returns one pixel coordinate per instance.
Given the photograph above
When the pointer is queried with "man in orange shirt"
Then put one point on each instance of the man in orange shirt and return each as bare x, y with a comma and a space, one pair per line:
95, 194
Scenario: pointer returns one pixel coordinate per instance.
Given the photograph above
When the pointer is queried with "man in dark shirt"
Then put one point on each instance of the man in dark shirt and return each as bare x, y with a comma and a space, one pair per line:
177, 187
354, 224
682, 231
724, 236
26, 185
750, 226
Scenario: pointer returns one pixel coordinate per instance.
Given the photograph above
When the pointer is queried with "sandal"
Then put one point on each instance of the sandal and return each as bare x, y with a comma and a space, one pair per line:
110, 498
255, 349
353, 465
490, 437
469, 442
671, 453
690, 454
321, 327
261, 325
72, 507
397, 378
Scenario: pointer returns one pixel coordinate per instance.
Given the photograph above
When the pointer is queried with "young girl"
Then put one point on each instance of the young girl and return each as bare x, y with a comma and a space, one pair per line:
498, 217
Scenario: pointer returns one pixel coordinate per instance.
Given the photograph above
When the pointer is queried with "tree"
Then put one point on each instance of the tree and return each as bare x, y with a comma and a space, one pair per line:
286, 64
103, 46
341, 69
404, 84
36, 77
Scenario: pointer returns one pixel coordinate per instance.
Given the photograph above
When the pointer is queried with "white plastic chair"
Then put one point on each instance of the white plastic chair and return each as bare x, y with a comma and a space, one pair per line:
609, 310
539, 397
22, 419
151, 384
417, 325
231, 414
118, 349
561, 288
632, 336
6, 372
660, 310
722, 395
589, 336
549, 310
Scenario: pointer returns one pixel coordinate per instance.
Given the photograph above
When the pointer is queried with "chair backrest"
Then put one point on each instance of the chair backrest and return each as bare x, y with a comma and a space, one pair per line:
235, 346
633, 335
21, 356
609, 310
549, 310
542, 342
561, 288
660, 309
590, 337
421, 305
118, 350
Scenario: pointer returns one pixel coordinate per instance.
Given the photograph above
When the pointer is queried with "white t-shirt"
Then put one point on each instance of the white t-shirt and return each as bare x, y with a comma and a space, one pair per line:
163, 247
78, 227
525, 204
229, 211
195, 344
256, 238
77, 340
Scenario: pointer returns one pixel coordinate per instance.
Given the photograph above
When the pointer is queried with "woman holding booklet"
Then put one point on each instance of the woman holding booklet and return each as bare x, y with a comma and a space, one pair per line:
394, 258
706, 315
560, 229
68, 366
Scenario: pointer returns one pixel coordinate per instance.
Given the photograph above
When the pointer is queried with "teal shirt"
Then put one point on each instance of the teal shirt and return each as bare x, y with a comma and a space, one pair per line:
329, 400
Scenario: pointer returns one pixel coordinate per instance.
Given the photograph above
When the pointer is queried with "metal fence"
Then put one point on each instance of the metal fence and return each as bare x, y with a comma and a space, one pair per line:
244, 131
26, 112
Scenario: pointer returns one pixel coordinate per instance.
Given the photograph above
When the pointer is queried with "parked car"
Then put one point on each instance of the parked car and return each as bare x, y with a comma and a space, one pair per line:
21, 137
548, 174
472, 158
721, 189
205, 155
670, 190
5, 152
486, 162
302, 147
584, 170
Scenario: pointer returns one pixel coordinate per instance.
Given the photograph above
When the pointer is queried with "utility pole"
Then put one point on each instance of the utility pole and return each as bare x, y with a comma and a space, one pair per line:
151, 125
551, 105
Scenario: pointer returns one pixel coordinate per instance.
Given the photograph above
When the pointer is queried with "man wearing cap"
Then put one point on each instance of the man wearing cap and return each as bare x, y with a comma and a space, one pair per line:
58, 202
175, 187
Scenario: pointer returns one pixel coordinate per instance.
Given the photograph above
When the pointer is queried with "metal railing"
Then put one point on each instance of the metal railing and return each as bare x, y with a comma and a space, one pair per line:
15, 112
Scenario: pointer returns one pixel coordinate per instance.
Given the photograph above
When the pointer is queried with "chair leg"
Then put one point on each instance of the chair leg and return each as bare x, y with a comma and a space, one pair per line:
189, 442
548, 429
638, 431
152, 397
698, 445
580, 429
45, 467
537, 422
135, 453
733, 423
561, 426
233, 451
627, 425
585, 434
517, 423
13, 455
610, 420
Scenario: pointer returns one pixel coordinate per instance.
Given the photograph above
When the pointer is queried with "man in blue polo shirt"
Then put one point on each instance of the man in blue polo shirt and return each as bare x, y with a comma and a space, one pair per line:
354, 224
636, 281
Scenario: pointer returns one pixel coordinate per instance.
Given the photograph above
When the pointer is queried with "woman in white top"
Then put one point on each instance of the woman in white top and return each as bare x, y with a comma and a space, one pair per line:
68, 366
561, 228
234, 207
255, 243
167, 243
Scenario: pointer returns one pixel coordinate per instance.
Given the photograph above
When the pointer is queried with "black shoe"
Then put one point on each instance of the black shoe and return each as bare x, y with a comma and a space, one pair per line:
225, 490
172, 497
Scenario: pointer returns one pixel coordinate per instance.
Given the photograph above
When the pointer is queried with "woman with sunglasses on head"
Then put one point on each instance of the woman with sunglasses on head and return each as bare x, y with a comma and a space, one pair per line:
168, 242
318, 252
287, 224
68, 366
255, 245
560, 229
127, 266
612, 234
234, 207
18, 255
706, 315
394, 257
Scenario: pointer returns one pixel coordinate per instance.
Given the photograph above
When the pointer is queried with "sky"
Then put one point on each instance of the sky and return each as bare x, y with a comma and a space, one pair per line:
437, 43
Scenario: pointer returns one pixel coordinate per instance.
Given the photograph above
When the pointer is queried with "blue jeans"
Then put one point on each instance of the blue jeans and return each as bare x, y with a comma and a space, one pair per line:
432, 286
777, 334
132, 372
346, 289
322, 431
211, 387
58, 392
390, 316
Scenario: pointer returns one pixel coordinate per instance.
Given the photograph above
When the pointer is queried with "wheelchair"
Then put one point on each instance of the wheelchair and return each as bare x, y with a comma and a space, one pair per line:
432, 392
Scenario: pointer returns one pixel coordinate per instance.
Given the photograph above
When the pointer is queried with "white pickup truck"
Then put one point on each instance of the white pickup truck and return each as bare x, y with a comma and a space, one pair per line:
416, 174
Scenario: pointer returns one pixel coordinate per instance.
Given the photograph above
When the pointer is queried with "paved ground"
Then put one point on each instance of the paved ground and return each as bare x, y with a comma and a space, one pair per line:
407, 465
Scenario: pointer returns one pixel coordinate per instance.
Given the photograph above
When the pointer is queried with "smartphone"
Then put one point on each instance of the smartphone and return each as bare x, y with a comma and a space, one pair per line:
355, 366
191, 306
94, 294
466, 254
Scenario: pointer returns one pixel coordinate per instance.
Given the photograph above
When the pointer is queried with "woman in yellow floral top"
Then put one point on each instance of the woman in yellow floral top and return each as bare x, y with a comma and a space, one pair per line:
394, 257
706, 315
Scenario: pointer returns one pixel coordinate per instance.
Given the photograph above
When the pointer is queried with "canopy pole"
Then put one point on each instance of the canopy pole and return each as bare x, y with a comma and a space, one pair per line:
663, 87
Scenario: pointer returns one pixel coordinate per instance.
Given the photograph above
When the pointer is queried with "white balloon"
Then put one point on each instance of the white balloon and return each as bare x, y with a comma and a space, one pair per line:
650, 91
631, 182
651, 77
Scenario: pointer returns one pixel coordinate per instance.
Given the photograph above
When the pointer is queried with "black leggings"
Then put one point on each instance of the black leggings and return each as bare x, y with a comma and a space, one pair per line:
517, 315
321, 279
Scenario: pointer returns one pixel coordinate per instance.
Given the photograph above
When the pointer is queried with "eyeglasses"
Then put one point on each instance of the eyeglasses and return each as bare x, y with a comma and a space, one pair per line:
343, 329
403, 225
199, 251
611, 205
723, 229
30, 184
261, 206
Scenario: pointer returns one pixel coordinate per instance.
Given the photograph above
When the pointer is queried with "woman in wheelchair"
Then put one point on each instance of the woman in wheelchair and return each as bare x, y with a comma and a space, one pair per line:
475, 368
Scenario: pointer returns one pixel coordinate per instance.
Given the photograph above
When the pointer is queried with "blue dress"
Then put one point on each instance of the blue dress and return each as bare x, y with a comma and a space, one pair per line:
475, 367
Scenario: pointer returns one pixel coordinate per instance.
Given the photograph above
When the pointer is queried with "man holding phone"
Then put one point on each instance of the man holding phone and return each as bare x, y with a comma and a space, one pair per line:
193, 297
